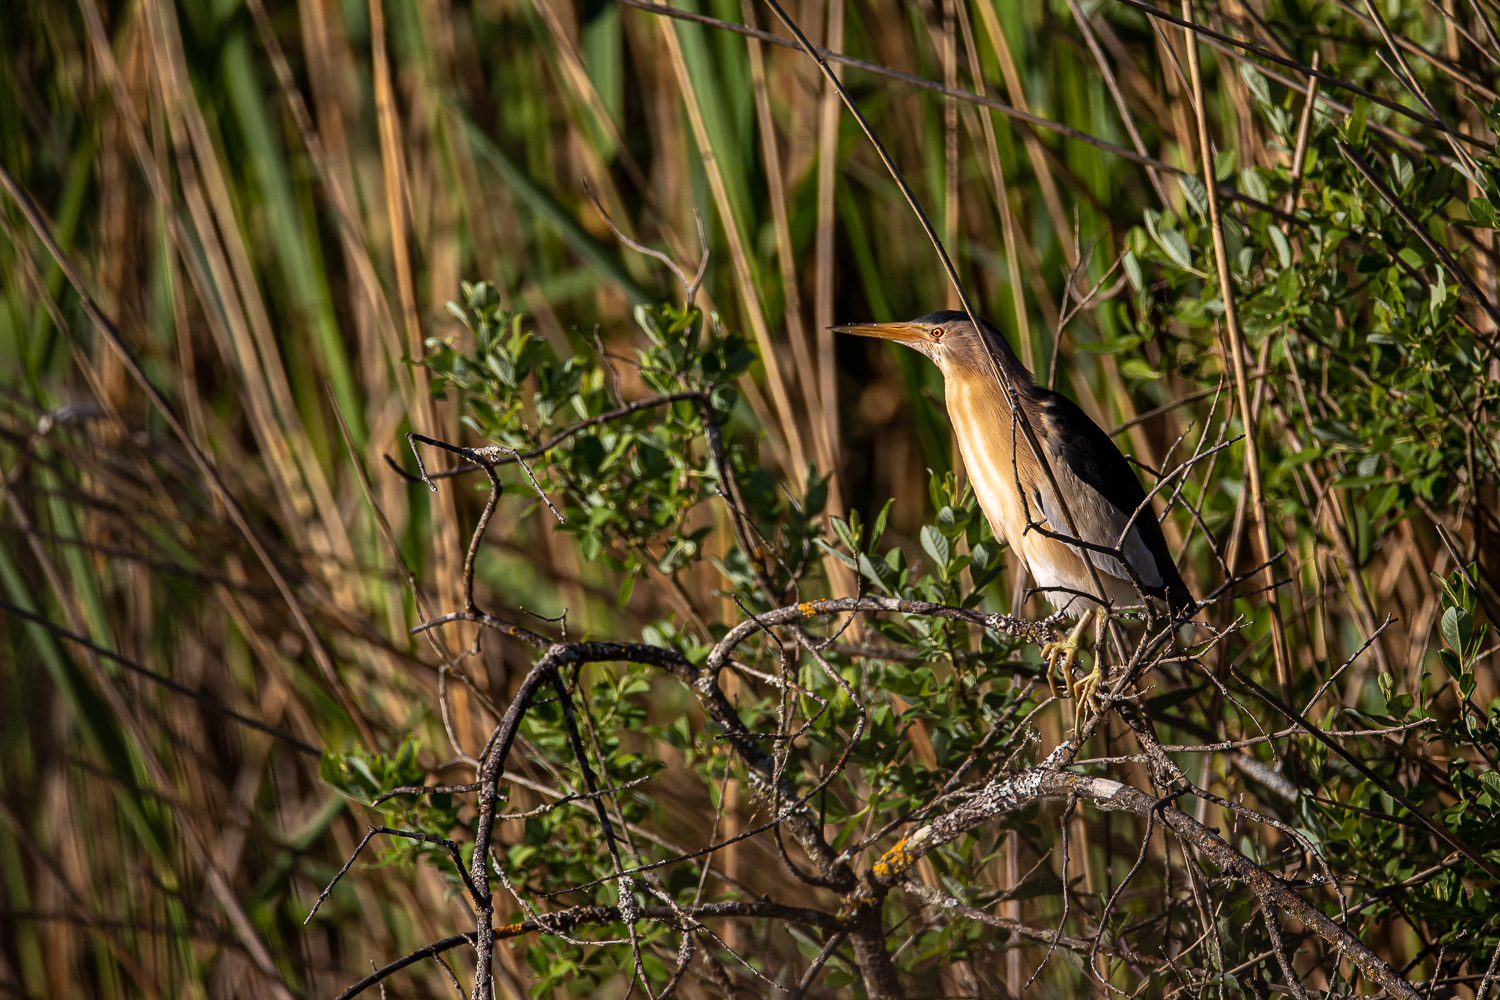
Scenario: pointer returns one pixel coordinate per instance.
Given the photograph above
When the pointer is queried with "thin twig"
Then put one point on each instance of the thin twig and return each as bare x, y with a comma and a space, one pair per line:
689, 287
1237, 351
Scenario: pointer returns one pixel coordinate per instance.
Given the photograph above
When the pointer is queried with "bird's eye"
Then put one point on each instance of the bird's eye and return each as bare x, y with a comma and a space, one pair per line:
937, 333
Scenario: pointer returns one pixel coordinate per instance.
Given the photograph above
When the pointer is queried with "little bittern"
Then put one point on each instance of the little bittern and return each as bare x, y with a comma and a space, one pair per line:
1102, 492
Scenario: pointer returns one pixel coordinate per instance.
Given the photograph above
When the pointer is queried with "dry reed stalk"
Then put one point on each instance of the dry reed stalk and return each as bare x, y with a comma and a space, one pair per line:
423, 411
1304, 130
198, 846
263, 664
1237, 356
840, 578
808, 371
1040, 166
262, 364
1157, 184
949, 53
111, 335
241, 350
1001, 195
749, 297
823, 318
397, 200
807, 367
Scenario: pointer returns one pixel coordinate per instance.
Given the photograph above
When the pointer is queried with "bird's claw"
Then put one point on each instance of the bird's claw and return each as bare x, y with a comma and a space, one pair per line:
1083, 694
1060, 655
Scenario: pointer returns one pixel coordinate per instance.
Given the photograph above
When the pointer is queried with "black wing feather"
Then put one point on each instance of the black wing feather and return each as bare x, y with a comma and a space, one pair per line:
1093, 457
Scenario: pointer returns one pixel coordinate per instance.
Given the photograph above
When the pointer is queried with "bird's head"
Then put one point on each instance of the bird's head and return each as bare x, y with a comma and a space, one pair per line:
949, 338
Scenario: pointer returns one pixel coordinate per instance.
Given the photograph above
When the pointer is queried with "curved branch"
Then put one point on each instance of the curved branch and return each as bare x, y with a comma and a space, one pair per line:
578, 916
1021, 628
554, 440
1012, 791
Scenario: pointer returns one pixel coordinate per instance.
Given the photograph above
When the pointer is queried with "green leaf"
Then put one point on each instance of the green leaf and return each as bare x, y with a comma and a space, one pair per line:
590, 543
1196, 193
845, 534
1256, 82
1136, 368
1457, 628
1382, 499
627, 587
1253, 184
936, 546
952, 522
1482, 212
1133, 270
877, 571
654, 967
1354, 126
1283, 248
1401, 172
1176, 247
878, 528
1437, 293
838, 554
1119, 346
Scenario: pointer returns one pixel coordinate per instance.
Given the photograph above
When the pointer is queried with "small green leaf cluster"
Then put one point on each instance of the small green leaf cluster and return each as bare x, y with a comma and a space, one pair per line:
1462, 642
562, 846
365, 775
1382, 379
627, 481
958, 540
1381, 387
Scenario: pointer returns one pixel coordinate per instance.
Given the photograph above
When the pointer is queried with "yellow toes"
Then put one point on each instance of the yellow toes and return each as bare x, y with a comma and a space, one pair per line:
1083, 695
1060, 655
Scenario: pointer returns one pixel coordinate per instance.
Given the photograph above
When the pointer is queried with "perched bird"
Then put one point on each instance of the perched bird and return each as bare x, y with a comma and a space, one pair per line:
1101, 490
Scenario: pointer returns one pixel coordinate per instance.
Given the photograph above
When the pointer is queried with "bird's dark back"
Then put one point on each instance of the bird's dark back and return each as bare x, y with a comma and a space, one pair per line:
1094, 458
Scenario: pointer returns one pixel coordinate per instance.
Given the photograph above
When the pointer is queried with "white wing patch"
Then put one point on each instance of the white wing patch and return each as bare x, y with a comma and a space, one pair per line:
1100, 522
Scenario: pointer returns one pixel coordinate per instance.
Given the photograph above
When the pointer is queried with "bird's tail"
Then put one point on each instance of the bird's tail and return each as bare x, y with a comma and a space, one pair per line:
1181, 600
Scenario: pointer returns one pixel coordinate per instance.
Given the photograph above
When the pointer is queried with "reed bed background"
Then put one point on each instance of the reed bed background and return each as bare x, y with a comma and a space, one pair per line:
273, 201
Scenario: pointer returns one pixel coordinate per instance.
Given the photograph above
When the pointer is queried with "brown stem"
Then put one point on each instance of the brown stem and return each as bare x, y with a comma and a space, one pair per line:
1013, 791
1237, 357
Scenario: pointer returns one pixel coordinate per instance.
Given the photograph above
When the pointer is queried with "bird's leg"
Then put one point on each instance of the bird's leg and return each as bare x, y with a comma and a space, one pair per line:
1083, 692
1063, 653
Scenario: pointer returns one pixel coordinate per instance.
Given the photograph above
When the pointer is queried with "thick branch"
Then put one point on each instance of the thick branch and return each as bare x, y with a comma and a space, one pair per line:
1031, 631
1013, 791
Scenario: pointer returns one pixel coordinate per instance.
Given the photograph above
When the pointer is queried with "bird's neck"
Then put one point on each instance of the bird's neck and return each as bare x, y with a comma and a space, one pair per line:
1014, 370
993, 449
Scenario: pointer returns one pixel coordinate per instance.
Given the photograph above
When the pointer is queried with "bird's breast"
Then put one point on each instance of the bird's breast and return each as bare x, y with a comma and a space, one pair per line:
1002, 468
986, 439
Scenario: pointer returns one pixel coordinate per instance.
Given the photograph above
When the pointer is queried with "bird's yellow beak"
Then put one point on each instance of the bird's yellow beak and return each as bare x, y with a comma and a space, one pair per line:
914, 334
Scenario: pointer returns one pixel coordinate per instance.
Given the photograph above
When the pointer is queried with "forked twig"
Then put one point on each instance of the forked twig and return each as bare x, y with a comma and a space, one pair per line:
690, 288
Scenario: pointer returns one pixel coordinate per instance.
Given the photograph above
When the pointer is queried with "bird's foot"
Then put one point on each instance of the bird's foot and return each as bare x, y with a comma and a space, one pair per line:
1060, 655
1083, 694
